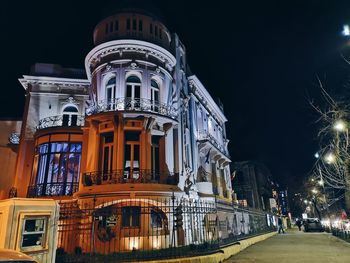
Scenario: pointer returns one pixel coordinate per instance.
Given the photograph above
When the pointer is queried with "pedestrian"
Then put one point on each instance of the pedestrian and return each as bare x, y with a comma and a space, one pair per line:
280, 225
299, 223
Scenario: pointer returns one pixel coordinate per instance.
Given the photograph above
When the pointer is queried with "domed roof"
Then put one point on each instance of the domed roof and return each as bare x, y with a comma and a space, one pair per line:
145, 7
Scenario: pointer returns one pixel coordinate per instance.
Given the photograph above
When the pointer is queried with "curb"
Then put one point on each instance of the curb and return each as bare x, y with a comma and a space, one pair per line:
224, 253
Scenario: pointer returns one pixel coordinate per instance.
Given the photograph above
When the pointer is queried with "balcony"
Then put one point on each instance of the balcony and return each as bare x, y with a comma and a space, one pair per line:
52, 189
130, 104
127, 176
206, 136
61, 121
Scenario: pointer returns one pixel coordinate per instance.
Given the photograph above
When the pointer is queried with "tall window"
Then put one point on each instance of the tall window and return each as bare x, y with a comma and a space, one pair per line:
154, 96
133, 87
155, 158
106, 155
57, 167
70, 116
110, 92
132, 155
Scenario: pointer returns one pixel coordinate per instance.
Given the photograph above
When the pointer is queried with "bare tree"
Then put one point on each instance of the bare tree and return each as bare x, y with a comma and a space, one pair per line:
332, 165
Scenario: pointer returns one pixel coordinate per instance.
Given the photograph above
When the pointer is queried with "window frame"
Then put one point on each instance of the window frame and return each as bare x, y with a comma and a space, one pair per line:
44, 233
131, 219
44, 170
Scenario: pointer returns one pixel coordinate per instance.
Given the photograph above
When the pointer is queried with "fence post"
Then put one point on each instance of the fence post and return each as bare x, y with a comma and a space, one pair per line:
92, 236
217, 223
173, 213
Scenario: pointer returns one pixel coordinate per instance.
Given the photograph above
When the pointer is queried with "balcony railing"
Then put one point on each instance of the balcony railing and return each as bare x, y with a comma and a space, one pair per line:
52, 189
61, 121
127, 176
131, 104
206, 136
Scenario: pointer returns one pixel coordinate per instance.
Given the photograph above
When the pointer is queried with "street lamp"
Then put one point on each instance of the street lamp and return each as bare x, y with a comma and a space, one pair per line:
321, 182
339, 125
346, 30
329, 158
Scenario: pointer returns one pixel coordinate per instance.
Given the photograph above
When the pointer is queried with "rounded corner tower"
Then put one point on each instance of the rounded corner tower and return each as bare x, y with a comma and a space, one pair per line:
130, 135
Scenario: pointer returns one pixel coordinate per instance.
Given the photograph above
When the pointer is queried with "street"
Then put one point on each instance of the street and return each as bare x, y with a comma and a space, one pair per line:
294, 247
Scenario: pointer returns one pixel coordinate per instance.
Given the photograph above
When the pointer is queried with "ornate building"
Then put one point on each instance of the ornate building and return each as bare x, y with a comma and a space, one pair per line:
134, 127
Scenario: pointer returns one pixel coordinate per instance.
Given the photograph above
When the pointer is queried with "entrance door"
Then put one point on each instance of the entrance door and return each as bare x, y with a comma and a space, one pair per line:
70, 116
133, 87
155, 158
132, 155
154, 96
106, 156
110, 93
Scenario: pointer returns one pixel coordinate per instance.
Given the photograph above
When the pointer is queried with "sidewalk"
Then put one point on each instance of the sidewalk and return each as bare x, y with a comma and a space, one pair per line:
296, 247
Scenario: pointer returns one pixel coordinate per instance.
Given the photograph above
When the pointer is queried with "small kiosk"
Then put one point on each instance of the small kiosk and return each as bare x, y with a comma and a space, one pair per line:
30, 226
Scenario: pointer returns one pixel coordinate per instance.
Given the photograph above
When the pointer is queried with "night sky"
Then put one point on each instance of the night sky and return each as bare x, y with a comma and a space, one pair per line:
260, 58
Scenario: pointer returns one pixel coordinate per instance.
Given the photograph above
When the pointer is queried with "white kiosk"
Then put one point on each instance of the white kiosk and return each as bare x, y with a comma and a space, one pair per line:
30, 226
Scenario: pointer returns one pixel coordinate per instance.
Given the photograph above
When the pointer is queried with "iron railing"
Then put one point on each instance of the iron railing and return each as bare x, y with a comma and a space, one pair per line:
152, 229
52, 189
61, 120
129, 176
131, 104
206, 136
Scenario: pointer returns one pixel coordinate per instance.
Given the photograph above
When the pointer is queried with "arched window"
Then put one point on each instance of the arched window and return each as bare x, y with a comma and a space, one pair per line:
133, 89
154, 96
110, 90
70, 116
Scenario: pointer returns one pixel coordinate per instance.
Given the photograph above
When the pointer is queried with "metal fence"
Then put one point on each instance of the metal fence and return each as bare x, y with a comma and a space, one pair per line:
148, 229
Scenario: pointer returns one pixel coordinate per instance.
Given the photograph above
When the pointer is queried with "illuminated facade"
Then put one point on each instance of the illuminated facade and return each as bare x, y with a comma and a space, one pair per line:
133, 126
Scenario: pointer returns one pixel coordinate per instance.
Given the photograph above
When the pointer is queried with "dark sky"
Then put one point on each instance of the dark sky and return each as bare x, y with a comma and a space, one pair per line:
259, 57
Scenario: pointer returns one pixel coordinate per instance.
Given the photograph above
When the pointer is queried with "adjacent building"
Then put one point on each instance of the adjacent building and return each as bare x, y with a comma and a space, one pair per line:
252, 184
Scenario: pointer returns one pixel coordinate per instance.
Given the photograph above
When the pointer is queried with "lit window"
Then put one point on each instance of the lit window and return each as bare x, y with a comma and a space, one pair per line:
56, 169
33, 232
131, 216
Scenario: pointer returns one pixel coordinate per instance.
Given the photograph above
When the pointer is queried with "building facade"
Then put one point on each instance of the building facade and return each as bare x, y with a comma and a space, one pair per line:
252, 184
123, 137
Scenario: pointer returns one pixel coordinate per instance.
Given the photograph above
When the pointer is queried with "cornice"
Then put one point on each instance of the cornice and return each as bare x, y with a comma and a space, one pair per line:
128, 45
203, 95
62, 82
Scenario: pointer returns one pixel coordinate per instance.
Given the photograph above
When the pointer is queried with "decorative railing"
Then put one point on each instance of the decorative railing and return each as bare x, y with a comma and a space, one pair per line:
125, 176
130, 104
52, 189
206, 136
61, 121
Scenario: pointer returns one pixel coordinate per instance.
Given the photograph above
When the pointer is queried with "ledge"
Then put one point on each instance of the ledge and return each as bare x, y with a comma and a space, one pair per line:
224, 253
